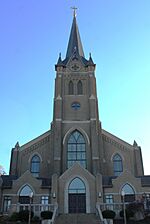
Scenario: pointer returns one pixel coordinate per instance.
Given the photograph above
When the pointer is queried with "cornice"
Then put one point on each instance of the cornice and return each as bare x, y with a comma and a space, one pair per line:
113, 141
35, 146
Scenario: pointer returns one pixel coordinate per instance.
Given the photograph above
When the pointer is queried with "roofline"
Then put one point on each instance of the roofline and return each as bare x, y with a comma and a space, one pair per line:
33, 141
115, 138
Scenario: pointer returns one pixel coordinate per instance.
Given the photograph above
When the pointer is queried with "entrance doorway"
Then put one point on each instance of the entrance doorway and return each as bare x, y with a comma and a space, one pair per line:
77, 196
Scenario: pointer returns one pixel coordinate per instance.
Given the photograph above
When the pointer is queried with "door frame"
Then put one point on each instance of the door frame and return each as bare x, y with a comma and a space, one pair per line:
66, 198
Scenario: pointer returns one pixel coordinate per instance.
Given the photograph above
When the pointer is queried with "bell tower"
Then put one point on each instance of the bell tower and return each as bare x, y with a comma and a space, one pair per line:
76, 104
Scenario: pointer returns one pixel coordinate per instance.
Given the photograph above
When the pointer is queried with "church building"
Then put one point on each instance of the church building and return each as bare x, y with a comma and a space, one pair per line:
76, 165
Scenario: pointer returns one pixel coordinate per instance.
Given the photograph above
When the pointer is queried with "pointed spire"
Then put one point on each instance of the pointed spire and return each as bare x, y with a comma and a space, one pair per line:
59, 59
17, 145
90, 60
74, 39
135, 144
74, 11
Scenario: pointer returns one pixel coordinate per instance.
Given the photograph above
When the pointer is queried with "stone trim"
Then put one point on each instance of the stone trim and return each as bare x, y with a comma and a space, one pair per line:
95, 157
22, 186
75, 122
36, 194
57, 158
75, 76
78, 129
119, 153
35, 153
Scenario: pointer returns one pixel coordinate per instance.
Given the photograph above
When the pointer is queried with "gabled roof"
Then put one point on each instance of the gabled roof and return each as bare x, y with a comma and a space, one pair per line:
75, 43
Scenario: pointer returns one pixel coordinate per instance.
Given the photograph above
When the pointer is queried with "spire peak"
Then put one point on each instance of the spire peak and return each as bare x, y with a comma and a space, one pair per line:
74, 39
74, 11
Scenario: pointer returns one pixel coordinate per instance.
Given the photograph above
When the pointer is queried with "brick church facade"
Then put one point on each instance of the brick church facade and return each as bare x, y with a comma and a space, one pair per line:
76, 164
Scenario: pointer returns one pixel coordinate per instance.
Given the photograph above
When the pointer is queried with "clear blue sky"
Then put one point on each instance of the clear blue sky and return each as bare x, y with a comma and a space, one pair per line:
32, 33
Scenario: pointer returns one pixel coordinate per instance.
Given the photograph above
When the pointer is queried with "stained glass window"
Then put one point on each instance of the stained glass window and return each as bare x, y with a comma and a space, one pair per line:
76, 149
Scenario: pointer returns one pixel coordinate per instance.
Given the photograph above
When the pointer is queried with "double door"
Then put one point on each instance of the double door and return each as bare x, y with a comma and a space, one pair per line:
77, 203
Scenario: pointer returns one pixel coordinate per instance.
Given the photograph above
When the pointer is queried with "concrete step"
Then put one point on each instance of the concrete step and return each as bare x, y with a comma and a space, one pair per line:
78, 218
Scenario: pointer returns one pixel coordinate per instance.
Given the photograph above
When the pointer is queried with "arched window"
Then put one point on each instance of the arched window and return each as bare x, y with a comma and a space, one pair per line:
70, 88
117, 165
24, 195
35, 165
79, 88
76, 151
77, 186
129, 193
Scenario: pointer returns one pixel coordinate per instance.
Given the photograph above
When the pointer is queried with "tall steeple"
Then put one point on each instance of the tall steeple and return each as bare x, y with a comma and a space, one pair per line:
75, 43
74, 49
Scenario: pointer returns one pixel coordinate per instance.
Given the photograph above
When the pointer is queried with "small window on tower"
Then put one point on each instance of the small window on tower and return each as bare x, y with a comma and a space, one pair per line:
75, 105
70, 88
80, 88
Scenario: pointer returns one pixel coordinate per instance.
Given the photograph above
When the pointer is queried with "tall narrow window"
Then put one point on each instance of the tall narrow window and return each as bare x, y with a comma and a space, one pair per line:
70, 88
35, 165
109, 201
44, 202
79, 88
117, 165
129, 193
7, 203
76, 151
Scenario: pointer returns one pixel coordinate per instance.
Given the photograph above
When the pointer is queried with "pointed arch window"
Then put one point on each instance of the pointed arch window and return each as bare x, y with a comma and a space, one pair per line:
129, 193
117, 165
24, 195
77, 186
76, 149
35, 165
70, 88
79, 88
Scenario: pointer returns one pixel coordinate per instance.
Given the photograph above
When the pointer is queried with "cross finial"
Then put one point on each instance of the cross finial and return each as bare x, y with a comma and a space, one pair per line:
74, 11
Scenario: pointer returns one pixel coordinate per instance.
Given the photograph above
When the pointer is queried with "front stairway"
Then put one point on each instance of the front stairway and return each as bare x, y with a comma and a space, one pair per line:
77, 218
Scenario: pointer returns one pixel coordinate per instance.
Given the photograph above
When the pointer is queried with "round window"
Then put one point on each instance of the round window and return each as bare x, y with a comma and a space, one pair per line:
75, 105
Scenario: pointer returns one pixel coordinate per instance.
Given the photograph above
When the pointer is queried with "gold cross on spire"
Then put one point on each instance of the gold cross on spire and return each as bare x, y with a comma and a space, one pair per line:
74, 11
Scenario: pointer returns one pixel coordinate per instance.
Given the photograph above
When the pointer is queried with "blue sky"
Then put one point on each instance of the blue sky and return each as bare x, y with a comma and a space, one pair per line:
32, 33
